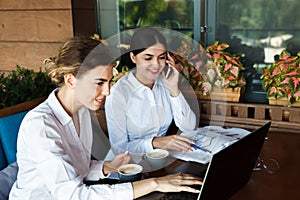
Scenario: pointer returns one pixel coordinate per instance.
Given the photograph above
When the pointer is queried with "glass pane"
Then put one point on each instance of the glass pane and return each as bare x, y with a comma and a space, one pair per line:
258, 30
174, 14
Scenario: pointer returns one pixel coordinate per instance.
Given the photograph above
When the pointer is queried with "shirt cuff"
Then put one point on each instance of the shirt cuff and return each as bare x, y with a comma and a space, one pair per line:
125, 190
148, 144
122, 191
176, 100
96, 171
178, 104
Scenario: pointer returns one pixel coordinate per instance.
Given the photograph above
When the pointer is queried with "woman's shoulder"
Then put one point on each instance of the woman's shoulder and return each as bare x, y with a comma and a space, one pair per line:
40, 123
50, 108
45, 112
37, 115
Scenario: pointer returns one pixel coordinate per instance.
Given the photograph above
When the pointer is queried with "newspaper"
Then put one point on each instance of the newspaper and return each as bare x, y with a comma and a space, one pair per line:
210, 140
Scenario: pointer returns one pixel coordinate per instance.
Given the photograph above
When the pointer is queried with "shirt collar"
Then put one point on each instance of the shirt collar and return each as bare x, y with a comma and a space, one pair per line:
57, 108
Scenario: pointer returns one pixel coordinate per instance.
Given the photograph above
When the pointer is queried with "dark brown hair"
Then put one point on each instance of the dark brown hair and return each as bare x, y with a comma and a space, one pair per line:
144, 38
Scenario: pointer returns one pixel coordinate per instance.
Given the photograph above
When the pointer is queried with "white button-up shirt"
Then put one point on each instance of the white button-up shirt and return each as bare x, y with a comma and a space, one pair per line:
135, 114
53, 161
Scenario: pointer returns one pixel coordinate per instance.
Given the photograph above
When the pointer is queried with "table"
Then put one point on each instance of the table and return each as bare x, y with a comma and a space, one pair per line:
283, 184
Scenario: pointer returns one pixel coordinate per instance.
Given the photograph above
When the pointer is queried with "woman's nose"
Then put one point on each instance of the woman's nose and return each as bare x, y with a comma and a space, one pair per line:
158, 62
106, 90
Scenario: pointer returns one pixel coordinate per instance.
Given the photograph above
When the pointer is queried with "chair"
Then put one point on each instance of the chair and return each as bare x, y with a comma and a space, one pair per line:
10, 121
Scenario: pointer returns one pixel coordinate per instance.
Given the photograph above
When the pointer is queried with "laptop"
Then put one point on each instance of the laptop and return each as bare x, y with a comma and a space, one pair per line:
227, 172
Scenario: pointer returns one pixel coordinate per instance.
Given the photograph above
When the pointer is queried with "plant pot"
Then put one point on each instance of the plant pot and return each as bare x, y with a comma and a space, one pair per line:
226, 94
282, 102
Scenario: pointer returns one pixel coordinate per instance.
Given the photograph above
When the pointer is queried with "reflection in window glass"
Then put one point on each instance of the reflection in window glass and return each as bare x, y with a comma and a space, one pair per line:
258, 30
173, 14
261, 26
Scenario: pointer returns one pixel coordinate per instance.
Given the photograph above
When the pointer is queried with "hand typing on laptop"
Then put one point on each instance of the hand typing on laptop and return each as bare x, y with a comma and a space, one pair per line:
170, 183
178, 182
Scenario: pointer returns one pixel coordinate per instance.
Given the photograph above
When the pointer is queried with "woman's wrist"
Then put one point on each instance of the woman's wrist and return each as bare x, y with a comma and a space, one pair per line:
154, 184
143, 187
107, 169
155, 142
174, 93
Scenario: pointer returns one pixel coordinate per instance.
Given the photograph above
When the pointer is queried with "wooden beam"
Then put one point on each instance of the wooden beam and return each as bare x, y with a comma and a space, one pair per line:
21, 107
34, 4
284, 119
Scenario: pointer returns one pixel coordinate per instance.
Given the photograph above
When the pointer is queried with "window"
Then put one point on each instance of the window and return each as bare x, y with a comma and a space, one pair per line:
173, 14
120, 15
258, 30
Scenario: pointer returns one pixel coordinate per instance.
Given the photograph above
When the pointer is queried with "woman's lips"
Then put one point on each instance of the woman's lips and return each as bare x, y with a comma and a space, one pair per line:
100, 101
154, 71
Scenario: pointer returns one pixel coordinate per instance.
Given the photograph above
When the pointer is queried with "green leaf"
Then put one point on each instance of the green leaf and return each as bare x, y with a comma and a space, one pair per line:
23, 85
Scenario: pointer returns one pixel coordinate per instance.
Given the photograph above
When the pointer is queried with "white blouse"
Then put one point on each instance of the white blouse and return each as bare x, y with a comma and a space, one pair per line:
135, 114
53, 161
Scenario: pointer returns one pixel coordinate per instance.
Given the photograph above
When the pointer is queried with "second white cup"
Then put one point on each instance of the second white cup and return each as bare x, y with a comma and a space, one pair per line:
157, 158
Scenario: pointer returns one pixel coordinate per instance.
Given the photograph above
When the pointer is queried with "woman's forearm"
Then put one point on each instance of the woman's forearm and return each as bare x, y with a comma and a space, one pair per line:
143, 187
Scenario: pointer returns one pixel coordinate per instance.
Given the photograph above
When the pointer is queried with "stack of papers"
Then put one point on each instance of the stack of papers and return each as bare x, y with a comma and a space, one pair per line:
209, 138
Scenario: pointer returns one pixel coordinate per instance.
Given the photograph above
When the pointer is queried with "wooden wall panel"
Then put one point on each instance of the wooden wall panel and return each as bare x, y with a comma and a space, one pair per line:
35, 25
34, 4
31, 30
29, 55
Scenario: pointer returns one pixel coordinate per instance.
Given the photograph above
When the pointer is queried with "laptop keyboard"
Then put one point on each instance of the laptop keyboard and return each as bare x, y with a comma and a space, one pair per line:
180, 196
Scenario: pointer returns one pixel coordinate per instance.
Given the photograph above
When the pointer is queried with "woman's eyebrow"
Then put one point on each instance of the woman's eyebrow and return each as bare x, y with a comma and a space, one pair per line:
162, 54
101, 79
147, 54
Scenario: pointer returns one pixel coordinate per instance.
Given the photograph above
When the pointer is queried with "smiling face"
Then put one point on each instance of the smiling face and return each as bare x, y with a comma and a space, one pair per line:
149, 63
93, 87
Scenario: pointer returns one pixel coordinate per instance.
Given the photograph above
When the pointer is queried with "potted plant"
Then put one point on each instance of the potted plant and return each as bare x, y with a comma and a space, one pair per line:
23, 85
281, 80
213, 72
191, 63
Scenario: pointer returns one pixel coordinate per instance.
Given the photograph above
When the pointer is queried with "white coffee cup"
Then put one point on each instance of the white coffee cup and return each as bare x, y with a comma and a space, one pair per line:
157, 158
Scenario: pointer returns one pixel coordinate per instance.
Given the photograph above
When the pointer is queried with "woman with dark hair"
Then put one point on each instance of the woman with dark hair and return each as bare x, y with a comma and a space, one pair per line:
143, 103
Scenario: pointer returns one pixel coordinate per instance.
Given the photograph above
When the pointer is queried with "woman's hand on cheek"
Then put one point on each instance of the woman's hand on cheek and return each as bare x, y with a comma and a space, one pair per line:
114, 164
